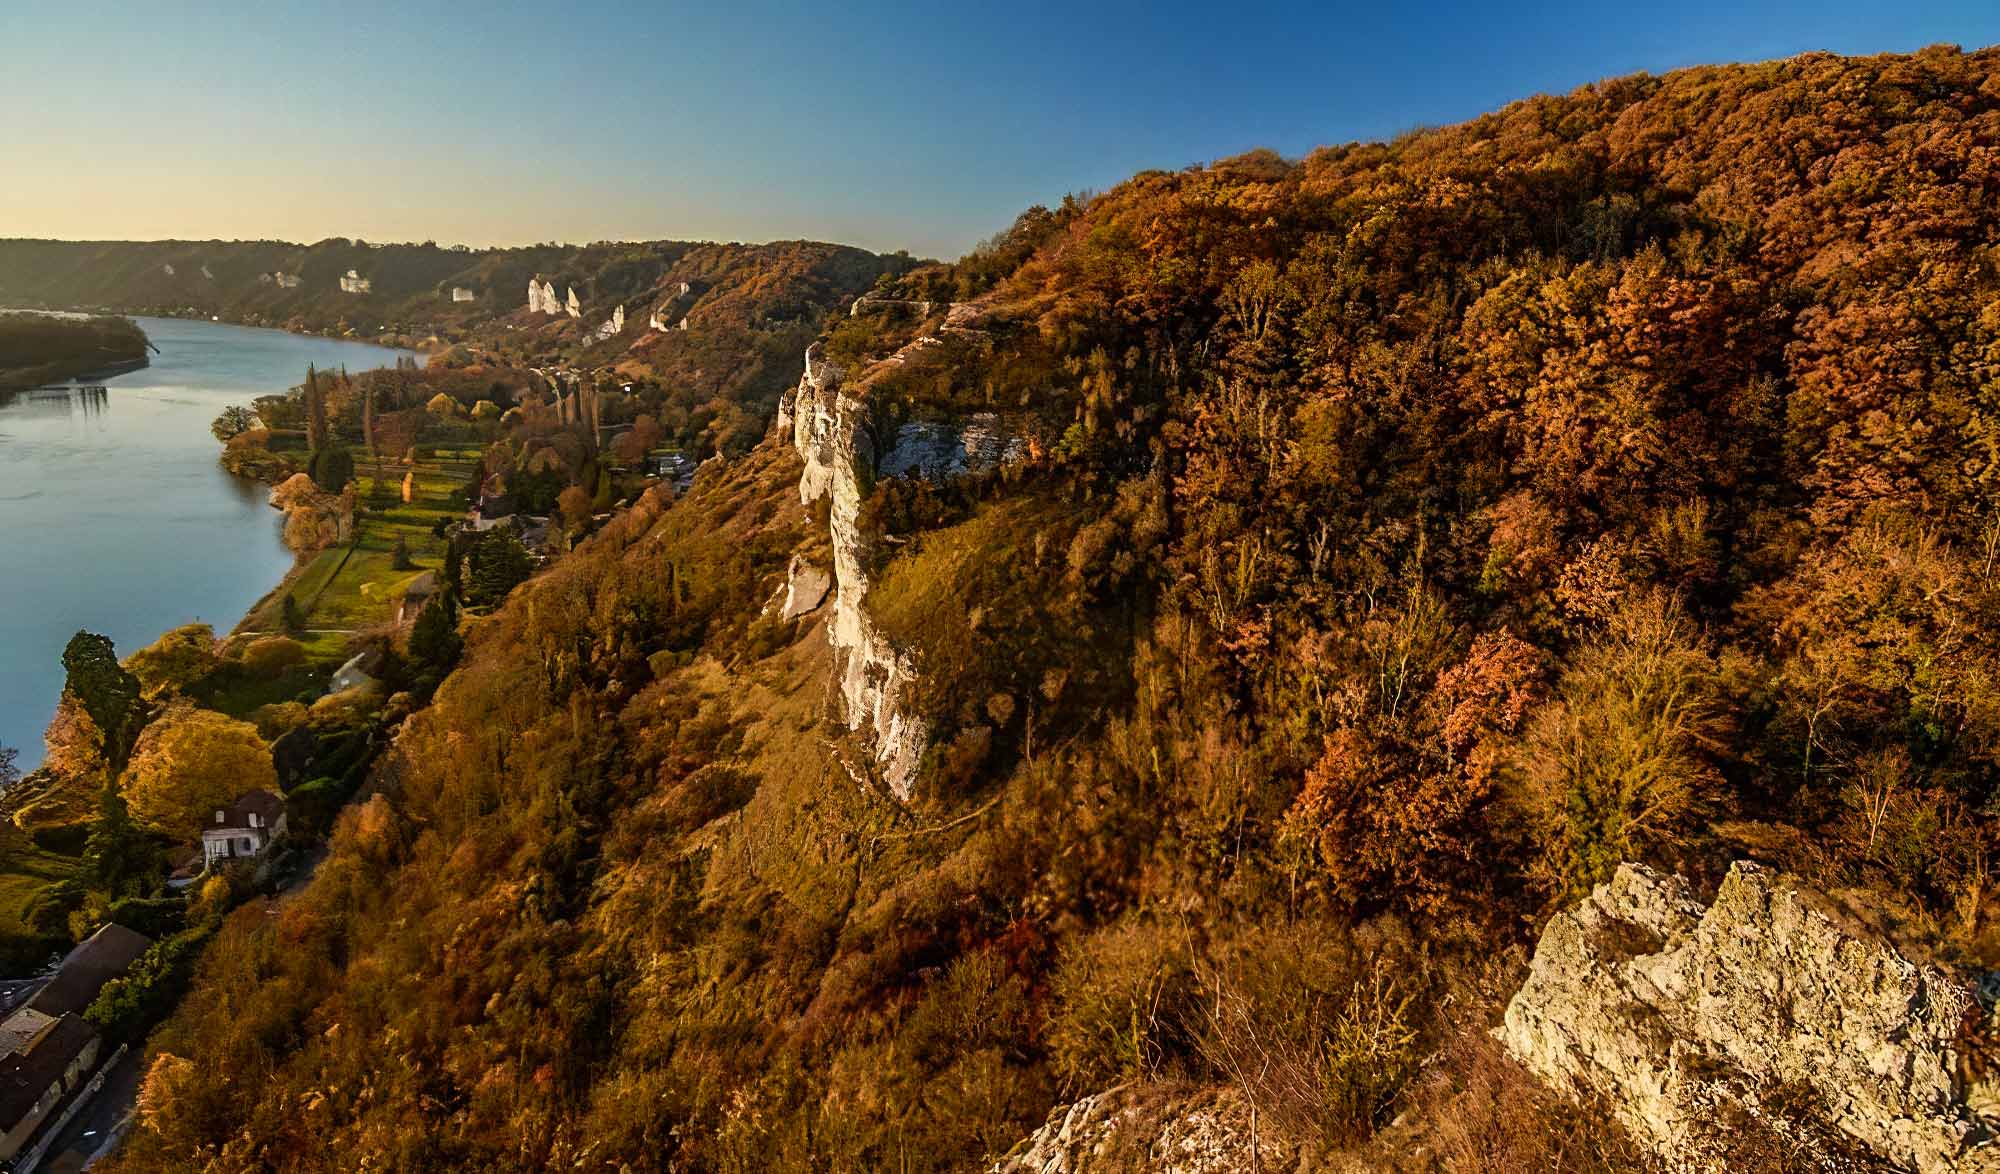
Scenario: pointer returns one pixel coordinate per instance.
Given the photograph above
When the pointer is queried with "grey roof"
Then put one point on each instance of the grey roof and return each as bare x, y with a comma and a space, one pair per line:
101, 957
25, 1077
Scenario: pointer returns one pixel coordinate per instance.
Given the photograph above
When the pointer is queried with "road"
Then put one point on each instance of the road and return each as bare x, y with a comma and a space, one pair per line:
16, 991
100, 1123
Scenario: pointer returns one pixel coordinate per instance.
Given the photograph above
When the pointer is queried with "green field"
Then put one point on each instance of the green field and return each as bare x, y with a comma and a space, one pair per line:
353, 588
25, 870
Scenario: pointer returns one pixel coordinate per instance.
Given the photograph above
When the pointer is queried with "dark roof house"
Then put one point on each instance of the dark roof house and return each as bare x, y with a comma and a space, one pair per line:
100, 958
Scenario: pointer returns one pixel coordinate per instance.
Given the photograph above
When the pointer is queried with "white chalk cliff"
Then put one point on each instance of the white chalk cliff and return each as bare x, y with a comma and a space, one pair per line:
832, 432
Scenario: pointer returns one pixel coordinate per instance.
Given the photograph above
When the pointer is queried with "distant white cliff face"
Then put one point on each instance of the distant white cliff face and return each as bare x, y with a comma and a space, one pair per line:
542, 297
612, 327
832, 433
575, 306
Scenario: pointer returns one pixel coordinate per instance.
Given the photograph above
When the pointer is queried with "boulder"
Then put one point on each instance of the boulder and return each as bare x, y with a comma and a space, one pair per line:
805, 588
1770, 1009
1159, 1128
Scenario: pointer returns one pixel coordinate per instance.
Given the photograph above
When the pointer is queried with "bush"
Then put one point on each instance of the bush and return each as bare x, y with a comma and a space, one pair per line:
64, 839
1320, 1031
268, 656
1123, 1001
156, 917
142, 996
311, 807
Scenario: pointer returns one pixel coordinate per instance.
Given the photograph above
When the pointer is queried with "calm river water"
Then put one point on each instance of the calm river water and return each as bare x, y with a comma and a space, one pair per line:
114, 515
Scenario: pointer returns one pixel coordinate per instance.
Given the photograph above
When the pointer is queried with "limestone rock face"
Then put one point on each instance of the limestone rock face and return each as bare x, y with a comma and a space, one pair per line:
832, 433
575, 306
542, 297
1135, 1128
1770, 1005
805, 589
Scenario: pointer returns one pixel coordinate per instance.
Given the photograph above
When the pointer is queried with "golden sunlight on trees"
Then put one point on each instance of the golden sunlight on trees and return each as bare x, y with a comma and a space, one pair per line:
174, 661
1621, 757
190, 762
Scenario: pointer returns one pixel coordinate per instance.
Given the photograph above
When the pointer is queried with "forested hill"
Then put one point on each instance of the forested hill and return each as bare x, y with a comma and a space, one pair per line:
406, 290
722, 322
1387, 543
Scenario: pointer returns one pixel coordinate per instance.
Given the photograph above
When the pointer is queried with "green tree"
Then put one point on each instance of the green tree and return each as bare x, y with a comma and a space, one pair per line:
434, 640
108, 693
332, 467
499, 564
234, 421
294, 618
316, 434
119, 857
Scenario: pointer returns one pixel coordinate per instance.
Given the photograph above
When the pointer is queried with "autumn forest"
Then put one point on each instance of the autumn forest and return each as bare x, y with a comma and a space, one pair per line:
1391, 542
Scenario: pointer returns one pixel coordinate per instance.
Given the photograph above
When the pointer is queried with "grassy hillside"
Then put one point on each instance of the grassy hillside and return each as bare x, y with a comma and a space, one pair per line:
1409, 533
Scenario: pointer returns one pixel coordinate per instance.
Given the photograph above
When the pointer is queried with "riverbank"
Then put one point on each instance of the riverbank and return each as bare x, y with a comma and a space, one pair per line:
37, 350
356, 585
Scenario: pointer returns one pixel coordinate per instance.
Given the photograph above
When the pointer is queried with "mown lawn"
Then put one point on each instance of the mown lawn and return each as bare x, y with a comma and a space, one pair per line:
349, 589
25, 870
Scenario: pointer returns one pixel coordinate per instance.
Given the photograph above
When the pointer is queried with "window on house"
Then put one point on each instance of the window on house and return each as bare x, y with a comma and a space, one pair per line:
247, 846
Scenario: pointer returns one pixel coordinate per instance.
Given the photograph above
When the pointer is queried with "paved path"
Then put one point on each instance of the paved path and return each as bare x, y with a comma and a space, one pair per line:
97, 1128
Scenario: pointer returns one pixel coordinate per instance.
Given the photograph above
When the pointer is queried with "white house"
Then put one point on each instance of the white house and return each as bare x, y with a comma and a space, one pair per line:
354, 283
244, 828
461, 294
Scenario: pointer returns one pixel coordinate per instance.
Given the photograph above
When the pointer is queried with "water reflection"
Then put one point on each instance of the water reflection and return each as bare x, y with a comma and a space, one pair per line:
84, 403
116, 517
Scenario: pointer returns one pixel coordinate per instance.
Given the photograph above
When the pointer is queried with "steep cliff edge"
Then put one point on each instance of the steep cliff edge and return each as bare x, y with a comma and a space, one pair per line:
835, 438
1767, 1011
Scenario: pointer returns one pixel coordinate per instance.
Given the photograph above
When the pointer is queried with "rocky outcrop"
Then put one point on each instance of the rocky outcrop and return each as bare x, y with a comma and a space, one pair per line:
1149, 1128
1769, 1009
805, 589
574, 307
832, 433
613, 327
937, 449
542, 297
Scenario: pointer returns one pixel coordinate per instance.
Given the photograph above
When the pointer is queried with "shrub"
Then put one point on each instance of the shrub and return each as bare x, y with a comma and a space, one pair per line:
1320, 1031
156, 917
268, 656
1122, 1002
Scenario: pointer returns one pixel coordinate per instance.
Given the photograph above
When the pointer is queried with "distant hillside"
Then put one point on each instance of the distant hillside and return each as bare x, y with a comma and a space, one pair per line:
737, 316
41, 348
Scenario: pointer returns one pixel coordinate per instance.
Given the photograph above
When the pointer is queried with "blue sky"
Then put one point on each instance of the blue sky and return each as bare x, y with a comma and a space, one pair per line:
891, 125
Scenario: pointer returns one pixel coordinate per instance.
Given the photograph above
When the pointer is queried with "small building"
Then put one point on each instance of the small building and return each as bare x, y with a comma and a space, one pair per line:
287, 280
243, 829
415, 596
354, 283
34, 1080
47, 1049
461, 294
357, 673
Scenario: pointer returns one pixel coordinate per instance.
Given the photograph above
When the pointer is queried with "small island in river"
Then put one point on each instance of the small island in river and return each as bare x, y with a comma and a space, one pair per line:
38, 349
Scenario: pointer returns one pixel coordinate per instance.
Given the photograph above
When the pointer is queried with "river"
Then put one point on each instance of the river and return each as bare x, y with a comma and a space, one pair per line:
115, 517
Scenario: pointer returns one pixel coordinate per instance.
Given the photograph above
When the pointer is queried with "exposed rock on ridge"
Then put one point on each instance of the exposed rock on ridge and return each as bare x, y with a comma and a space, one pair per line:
1133, 1128
833, 434
1769, 1008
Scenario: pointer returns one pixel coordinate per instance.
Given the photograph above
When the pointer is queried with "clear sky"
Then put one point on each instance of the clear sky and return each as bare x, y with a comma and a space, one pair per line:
924, 126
